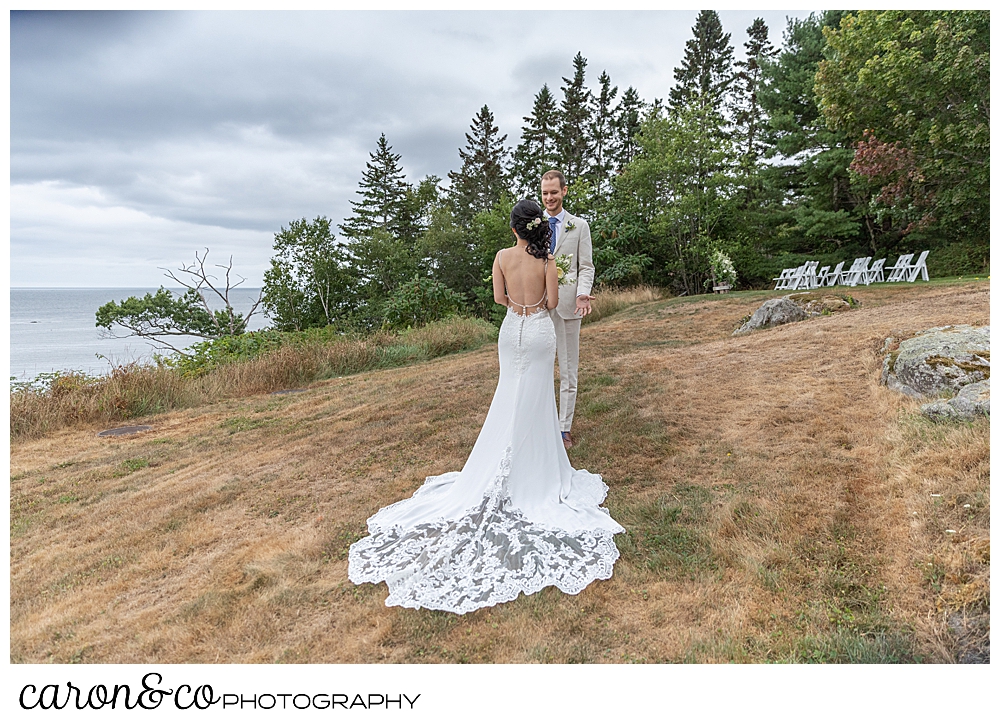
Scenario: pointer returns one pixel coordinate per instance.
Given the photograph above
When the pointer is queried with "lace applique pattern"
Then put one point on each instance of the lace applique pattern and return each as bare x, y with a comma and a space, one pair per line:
488, 555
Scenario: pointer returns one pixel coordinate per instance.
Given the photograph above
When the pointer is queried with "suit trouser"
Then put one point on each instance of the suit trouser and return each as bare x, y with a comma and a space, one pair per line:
568, 348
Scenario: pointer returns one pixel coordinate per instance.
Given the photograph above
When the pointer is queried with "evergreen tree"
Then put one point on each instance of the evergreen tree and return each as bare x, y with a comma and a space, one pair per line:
537, 152
748, 116
814, 181
383, 190
381, 233
706, 71
483, 178
628, 121
573, 144
603, 138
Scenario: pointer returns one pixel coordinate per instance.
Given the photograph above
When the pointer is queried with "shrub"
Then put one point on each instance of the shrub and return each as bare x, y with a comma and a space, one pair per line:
209, 354
958, 259
420, 301
249, 364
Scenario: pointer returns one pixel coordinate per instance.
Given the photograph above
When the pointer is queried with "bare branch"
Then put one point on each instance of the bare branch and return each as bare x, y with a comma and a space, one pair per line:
155, 341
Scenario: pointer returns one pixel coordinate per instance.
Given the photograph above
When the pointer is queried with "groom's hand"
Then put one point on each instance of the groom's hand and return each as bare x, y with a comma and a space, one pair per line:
583, 305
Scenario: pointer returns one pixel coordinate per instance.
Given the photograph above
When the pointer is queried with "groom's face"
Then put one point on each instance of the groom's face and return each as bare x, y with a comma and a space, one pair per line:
552, 195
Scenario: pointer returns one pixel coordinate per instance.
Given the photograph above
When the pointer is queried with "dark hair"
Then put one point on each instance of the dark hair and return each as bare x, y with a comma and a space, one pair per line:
537, 235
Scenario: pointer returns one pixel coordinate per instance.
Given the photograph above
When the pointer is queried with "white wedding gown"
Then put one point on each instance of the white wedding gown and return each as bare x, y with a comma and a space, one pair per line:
516, 519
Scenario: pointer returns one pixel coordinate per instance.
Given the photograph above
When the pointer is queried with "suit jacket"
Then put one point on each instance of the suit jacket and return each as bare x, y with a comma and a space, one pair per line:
574, 238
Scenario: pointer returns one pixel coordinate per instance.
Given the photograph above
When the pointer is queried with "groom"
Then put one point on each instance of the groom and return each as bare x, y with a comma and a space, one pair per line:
571, 236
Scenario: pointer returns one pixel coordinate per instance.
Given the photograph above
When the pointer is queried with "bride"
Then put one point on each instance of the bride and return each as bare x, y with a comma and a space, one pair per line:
517, 517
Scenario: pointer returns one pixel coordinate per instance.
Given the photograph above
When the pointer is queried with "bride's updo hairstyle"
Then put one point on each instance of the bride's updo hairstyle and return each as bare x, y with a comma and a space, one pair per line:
527, 219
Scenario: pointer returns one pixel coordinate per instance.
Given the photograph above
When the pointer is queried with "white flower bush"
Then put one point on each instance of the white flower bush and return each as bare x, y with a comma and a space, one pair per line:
723, 270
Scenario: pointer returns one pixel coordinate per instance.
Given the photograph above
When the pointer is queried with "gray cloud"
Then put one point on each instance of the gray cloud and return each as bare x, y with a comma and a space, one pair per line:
216, 128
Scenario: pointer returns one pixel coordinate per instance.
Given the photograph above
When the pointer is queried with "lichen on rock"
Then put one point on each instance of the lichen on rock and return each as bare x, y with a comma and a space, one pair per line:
951, 361
971, 400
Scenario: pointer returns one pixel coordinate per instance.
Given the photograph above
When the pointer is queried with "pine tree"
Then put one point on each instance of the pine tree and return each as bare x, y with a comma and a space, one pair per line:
628, 120
815, 182
603, 138
383, 190
748, 115
706, 71
573, 145
483, 178
536, 153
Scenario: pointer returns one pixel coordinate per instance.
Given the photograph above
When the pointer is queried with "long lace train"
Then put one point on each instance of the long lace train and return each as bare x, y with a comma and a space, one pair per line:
516, 519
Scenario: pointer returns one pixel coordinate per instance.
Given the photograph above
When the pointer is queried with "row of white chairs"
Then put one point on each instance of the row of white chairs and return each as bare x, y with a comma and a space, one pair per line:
807, 277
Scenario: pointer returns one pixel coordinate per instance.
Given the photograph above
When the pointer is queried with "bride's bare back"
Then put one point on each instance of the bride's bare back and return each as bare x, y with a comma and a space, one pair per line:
523, 282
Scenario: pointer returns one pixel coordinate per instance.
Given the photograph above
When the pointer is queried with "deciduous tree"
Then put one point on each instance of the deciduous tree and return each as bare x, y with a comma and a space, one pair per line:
919, 79
160, 316
311, 281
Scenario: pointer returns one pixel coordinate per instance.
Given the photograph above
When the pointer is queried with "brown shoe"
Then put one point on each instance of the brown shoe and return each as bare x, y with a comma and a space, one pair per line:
567, 440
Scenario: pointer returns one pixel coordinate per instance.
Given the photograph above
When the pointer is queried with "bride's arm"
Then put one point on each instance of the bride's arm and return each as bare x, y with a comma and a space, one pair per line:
499, 295
552, 284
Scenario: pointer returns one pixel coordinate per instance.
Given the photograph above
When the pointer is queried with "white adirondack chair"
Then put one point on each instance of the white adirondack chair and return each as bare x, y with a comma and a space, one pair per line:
833, 278
897, 272
855, 274
782, 280
875, 273
792, 278
800, 279
809, 277
820, 276
847, 275
920, 268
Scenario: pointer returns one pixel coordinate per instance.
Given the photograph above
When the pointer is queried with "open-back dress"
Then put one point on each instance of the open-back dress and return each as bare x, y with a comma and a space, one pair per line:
515, 519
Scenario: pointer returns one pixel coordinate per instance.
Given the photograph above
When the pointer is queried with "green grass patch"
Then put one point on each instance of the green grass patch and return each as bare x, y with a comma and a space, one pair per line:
129, 466
850, 647
598, 406
663, 534
241, 423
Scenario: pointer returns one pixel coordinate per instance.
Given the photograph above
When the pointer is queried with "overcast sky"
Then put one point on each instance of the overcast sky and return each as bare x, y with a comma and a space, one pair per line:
139, 137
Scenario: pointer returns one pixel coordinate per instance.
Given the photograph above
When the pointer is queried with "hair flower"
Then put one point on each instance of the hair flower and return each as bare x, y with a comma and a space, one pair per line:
534, 223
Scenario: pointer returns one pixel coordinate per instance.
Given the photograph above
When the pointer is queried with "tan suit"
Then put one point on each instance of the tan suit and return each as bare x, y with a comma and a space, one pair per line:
574, 239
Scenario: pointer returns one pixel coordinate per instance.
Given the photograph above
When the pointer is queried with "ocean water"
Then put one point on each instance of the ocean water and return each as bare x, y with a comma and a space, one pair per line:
54, 330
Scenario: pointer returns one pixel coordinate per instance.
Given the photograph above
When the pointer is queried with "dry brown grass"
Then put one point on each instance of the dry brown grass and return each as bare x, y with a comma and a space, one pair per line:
767, 483
610, 301
133, 391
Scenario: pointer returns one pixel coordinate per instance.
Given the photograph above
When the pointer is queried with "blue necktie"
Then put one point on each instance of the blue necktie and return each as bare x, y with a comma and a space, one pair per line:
553, 222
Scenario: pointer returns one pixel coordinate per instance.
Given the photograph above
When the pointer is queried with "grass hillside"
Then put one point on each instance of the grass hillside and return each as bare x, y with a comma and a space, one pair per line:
779, 504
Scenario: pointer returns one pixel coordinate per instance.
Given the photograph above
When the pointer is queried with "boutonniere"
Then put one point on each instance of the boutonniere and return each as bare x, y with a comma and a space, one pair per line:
570, 226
